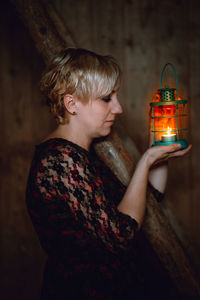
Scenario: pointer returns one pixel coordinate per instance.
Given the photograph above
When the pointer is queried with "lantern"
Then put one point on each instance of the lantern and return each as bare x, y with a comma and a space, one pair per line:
169, 116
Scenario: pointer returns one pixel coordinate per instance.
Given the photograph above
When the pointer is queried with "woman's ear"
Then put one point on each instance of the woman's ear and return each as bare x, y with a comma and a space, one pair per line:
70, 103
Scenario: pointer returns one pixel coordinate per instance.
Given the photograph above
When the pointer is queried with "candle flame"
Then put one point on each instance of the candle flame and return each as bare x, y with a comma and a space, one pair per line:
169, 131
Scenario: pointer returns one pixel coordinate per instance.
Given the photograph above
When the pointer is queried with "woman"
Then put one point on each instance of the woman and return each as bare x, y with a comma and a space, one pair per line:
85, 219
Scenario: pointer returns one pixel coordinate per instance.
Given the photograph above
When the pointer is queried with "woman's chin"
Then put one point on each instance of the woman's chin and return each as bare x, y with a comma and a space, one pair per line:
103, 133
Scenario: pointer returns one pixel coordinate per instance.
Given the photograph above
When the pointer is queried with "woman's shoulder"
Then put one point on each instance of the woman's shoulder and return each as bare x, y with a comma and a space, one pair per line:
61, 148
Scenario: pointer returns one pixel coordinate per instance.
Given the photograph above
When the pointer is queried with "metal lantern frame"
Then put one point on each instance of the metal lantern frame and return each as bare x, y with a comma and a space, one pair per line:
167, 99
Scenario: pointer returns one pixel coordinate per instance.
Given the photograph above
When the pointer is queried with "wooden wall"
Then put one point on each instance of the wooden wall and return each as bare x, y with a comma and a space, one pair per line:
143, 35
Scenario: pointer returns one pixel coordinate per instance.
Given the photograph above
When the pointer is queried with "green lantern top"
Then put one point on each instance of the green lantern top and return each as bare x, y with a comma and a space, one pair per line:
167, 94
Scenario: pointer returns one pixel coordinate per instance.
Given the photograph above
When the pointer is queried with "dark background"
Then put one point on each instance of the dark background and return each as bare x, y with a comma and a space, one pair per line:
143, 35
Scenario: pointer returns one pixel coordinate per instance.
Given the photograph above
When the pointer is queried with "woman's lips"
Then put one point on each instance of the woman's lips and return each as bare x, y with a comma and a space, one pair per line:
110, 121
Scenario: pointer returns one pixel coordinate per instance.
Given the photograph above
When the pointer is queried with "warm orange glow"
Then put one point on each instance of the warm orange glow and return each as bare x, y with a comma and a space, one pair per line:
169, 132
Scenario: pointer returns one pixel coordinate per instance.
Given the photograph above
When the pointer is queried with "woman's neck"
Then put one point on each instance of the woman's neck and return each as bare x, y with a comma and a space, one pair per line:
71, 134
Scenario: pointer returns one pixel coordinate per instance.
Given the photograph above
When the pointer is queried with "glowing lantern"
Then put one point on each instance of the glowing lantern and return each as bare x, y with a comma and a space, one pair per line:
168, 116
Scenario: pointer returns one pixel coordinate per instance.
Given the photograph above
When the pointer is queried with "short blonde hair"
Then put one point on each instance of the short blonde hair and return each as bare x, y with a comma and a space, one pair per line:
79, 72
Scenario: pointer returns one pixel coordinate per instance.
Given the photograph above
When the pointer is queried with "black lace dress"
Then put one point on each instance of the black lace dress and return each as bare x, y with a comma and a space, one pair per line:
72, 199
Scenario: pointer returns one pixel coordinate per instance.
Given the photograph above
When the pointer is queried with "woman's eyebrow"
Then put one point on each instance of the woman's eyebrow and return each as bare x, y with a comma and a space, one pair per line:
115, 90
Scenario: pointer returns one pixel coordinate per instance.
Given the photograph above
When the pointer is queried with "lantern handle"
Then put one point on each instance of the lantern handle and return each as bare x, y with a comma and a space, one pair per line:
173, 68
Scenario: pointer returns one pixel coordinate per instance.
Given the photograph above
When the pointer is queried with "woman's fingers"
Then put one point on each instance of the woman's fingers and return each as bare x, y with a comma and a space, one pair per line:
180, 152
171, 148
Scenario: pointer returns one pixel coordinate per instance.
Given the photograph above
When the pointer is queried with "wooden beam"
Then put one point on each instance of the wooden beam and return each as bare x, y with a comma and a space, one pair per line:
48, 32
50, 36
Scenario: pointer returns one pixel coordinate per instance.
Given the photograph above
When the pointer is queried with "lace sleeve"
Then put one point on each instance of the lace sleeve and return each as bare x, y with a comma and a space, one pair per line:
66, 178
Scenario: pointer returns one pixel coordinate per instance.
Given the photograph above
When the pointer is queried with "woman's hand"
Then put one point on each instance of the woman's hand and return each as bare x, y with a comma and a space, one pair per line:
158, 154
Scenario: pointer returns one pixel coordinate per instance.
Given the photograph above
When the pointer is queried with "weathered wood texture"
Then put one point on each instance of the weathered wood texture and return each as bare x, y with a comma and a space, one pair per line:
46, 36
142, 35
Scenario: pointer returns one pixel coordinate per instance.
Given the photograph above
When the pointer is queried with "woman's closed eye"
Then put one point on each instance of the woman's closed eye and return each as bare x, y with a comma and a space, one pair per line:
106, 99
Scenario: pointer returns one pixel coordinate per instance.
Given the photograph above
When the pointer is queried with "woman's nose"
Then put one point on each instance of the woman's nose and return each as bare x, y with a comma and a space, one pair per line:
116, 107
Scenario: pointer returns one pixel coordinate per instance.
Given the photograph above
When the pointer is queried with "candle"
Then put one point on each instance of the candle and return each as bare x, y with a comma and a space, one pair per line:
169, 137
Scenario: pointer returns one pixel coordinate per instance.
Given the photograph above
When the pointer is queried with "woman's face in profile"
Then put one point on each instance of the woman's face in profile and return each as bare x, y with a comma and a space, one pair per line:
98, 115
